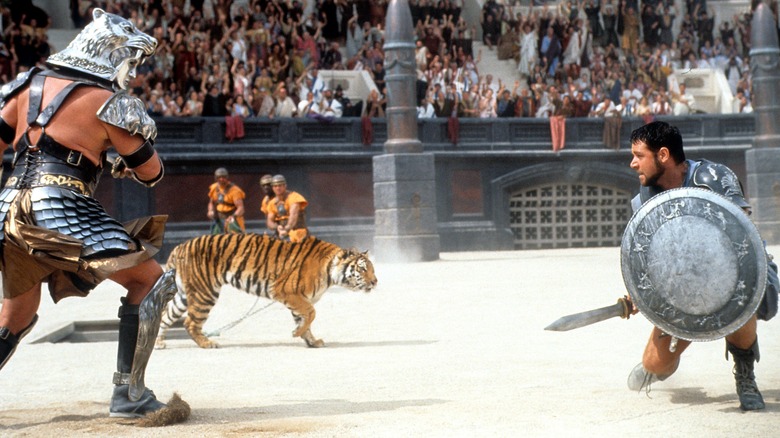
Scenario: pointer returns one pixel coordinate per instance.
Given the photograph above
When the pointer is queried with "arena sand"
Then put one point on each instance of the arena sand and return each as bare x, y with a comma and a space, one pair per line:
451, 348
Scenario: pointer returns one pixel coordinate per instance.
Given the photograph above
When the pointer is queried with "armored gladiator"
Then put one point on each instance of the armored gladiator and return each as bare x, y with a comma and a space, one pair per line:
681, 203
686, 210
60, 121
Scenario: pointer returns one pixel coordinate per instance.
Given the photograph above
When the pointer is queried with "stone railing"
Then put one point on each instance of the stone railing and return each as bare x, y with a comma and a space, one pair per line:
187, 139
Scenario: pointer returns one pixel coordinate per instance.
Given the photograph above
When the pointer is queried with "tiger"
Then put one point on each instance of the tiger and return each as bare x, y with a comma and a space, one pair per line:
294, 274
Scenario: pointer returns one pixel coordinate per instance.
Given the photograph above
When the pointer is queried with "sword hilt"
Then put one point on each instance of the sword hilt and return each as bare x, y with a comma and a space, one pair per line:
628, 307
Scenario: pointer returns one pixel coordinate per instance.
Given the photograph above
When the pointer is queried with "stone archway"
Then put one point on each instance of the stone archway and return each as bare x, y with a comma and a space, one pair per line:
559, 205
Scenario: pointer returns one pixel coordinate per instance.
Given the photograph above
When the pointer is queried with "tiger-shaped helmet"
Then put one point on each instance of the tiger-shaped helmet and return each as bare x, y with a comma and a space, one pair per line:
109, 48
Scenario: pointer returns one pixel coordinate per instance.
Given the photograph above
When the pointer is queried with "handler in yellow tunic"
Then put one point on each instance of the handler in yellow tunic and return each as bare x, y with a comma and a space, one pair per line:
286, 212
226, 205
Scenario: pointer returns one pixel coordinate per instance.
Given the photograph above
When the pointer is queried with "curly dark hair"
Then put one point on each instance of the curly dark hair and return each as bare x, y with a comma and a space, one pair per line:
657, 135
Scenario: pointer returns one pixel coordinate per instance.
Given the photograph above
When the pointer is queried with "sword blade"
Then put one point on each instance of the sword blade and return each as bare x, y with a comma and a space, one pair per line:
577, 320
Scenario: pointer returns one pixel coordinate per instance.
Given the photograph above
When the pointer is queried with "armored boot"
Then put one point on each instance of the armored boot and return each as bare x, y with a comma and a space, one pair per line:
9, 341
749, 396
121, 405
138, 327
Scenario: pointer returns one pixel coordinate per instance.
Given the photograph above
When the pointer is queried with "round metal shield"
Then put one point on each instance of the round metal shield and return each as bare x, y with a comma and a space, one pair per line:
694, 264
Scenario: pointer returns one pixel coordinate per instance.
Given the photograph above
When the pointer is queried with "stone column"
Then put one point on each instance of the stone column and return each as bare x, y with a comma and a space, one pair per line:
762, 162
404, 177
401, 80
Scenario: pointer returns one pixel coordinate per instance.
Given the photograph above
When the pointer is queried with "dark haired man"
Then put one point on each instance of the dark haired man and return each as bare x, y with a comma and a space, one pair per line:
659, 160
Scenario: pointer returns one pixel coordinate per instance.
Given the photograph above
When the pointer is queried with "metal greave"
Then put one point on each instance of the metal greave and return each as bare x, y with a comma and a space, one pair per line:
149, 317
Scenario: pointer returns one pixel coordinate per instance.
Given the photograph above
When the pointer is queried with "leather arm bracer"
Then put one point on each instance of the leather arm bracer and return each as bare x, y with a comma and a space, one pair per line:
120, 166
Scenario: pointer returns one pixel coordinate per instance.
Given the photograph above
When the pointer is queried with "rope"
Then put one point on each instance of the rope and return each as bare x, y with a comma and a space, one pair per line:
239, 320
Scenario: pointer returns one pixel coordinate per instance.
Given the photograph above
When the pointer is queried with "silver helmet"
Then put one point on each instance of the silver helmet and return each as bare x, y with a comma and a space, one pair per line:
221, 171
265, 180
110, 48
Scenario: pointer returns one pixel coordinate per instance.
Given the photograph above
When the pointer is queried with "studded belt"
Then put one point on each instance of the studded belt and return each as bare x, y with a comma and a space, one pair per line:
50, 164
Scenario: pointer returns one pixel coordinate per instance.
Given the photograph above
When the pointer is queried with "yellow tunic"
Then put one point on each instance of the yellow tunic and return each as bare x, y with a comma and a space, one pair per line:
281, 211
224, 200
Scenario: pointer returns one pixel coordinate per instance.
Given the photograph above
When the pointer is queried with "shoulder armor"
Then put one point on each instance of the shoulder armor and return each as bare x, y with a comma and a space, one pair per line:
128, 112
720, 179
636, 203
10, 89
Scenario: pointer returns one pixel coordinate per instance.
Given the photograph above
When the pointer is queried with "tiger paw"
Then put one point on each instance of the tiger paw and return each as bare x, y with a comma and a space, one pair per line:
314, 343
310, 340
204, 342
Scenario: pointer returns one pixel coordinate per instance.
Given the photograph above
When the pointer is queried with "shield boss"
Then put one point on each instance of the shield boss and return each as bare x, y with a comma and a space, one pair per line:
694, 264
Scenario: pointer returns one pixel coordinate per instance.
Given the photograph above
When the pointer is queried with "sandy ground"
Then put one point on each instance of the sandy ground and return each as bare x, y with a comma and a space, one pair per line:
449, 348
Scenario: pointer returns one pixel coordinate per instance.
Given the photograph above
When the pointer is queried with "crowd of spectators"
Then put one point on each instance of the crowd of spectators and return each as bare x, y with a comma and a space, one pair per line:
24, 39
594, 58
261, 58
257, 58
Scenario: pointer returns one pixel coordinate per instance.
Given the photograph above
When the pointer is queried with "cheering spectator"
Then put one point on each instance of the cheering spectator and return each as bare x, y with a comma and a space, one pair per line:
507, 101
332, 58
551, 50
741, 103
306, 107
375, 105
214, 102
661, 105
487, 104
262, 103
193, 106
426, 109
528, 50
684, 102
240, 108
328, 106
631, 26
285, 106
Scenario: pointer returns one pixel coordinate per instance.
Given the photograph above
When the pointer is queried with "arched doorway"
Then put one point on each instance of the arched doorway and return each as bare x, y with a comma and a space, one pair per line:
565, 215
558, 205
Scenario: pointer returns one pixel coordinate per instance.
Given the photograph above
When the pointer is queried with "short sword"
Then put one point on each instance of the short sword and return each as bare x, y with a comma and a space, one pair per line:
622, 308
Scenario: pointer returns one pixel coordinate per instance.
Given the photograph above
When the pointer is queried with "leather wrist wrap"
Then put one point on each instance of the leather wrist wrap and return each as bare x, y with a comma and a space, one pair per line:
140, 156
